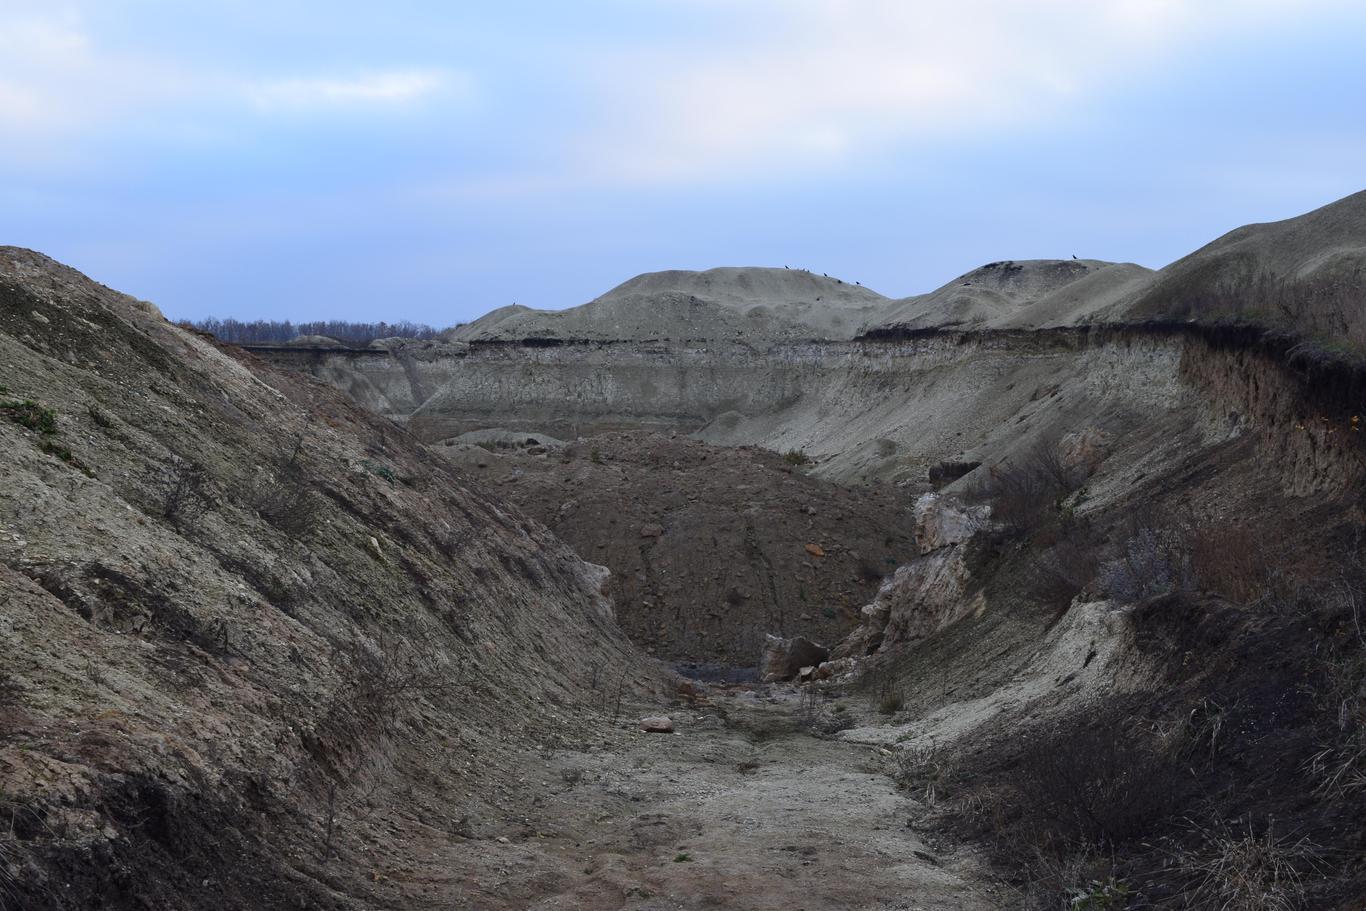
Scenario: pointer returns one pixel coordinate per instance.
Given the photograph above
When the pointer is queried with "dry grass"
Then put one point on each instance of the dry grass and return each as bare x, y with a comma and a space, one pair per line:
1241, 869
1339, 767
1105, 783
924, 770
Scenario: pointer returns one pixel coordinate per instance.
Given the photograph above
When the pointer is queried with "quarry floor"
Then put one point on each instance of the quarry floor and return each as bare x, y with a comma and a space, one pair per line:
739, 808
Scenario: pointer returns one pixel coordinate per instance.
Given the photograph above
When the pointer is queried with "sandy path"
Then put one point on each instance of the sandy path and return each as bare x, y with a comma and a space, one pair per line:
748, 813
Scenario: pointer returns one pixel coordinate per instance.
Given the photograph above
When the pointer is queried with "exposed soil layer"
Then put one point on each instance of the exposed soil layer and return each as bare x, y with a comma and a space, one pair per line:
710, 547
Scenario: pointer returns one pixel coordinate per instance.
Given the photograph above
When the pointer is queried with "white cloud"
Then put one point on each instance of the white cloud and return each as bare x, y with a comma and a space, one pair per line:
52, 77
795, 83
381, 88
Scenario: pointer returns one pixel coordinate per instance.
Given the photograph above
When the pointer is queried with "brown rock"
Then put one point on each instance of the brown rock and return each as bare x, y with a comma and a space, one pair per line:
784, 658
815, 550
657, 724
651, 531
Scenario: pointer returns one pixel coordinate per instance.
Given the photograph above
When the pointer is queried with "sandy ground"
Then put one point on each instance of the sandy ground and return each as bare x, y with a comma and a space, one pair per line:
740, 808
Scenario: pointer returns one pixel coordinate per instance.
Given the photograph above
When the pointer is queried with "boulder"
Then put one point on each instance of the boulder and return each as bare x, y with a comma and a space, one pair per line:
657, 724
784, 658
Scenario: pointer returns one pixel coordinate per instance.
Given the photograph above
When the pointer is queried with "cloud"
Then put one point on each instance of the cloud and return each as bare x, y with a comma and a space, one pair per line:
396, 87
796, 83
53, 78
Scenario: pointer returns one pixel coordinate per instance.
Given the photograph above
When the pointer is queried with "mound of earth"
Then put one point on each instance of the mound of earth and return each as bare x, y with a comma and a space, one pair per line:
998, 291
752, 304
711, 547
257, 644
1305, 275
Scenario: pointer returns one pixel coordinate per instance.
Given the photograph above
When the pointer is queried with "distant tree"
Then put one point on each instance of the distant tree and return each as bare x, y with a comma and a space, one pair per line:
258, 332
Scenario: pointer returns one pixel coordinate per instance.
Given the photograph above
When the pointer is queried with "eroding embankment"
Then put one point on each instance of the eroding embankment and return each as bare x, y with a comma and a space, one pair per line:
886, 406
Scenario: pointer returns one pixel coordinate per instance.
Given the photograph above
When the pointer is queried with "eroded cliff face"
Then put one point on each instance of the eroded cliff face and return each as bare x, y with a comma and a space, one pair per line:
873, 409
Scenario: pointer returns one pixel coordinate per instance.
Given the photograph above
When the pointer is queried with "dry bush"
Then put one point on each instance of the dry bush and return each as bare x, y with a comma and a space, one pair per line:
1152, 558
1339, 766
1244, 870
286, 501
184, 495
1230, 561
393, 669
924, 769
1101, 784
1023, 491
1066, 567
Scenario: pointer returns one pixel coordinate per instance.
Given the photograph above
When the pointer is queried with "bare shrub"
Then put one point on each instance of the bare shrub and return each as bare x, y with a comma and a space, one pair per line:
285, 499
1238, 868
1101, 784
1230, 560
1151, 559
1065, 568
391, 670
184, 494
1024, 490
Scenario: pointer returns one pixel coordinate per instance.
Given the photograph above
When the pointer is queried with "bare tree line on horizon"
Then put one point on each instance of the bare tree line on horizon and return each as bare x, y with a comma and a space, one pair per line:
265, 332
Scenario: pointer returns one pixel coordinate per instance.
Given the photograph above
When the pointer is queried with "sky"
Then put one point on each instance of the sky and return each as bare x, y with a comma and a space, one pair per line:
433, 160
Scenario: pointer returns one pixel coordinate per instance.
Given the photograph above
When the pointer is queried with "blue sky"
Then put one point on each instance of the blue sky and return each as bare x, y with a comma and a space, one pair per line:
433, 160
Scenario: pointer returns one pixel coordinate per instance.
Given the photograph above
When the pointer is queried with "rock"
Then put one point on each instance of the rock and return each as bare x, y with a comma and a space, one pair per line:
784, 658
651, 531
941, 521
828, 669
374, 547
815, 550
806, 674
920, 599
657, 724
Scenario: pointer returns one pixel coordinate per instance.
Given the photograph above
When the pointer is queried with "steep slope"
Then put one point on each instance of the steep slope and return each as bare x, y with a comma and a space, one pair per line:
751, 303
256, 644
1305, 276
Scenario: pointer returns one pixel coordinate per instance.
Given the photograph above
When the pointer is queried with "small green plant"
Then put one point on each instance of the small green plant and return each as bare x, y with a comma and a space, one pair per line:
1111, 895
890, 703
796, 457
380, 471
595, 456
30, 414
828, 612
682, 857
